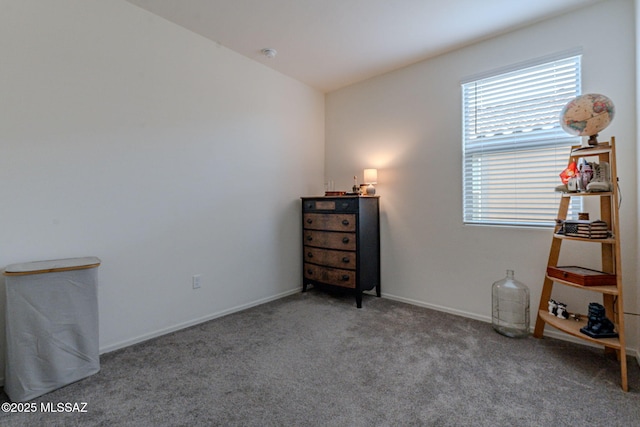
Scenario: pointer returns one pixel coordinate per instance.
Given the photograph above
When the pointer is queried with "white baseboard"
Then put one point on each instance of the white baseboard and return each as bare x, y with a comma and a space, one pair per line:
126, 343
436, 307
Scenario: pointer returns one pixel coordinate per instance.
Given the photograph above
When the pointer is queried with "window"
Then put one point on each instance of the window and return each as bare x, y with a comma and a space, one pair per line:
513, 145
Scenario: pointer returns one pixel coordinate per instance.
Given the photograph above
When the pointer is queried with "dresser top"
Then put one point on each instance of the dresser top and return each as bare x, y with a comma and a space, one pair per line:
346, 196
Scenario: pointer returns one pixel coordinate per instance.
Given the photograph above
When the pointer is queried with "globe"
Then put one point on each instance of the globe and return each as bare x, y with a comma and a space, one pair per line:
587, 115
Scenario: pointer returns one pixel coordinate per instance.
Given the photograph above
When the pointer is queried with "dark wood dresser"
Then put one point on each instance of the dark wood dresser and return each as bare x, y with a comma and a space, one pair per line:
341, 243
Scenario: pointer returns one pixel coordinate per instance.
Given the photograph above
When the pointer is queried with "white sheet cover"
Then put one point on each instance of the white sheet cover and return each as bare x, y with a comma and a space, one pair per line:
51, 326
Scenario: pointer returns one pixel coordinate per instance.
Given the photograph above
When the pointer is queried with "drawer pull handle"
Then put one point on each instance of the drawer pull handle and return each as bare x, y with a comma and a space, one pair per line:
345, 240
345, 277
309, 255
345, 260
310, 272
309, 238
345, 205
345, 222
309, 221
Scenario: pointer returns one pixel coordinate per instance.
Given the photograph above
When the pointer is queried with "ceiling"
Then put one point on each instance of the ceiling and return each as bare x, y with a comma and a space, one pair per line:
329, 44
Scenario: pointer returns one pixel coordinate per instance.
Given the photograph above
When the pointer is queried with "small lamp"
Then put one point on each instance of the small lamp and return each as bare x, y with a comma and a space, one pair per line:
370, 178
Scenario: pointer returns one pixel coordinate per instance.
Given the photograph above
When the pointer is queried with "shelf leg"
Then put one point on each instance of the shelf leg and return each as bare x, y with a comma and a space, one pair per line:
554, 254
544, 299
607, 303
623, 370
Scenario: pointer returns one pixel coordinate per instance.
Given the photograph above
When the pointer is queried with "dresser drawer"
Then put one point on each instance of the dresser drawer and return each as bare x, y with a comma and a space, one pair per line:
338, 205
338, 259
330, 240
329, 222
331, 276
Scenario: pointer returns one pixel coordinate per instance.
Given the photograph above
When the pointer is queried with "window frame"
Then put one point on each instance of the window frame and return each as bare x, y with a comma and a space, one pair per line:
548, 137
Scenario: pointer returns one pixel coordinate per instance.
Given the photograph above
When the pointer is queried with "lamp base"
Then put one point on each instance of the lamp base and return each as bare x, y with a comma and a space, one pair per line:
371, 190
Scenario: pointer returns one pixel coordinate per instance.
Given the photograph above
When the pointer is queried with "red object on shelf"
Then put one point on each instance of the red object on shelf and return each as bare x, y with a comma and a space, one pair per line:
569, 172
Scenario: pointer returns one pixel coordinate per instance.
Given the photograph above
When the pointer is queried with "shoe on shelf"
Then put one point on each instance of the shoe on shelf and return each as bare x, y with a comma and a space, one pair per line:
601, 180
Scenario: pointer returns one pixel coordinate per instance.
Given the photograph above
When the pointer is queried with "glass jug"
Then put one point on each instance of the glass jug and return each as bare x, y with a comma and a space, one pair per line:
510, 300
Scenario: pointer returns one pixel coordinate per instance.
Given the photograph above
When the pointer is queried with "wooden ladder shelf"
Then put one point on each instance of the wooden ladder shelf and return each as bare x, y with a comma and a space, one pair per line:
610, 249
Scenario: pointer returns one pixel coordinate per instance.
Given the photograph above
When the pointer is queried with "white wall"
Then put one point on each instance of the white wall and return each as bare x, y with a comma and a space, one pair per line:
637, 91
408, 124
126, 137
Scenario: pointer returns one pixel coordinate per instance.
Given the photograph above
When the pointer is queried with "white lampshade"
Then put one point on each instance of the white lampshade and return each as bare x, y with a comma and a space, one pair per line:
371, 176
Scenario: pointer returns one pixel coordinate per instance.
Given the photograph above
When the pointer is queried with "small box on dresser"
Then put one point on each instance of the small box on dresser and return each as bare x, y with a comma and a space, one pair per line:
341, 243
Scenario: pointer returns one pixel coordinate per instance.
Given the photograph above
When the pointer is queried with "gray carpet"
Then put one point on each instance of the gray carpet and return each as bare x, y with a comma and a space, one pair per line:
313, 359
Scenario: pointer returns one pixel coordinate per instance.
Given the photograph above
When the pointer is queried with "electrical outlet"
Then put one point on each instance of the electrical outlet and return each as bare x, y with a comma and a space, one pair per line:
195, 281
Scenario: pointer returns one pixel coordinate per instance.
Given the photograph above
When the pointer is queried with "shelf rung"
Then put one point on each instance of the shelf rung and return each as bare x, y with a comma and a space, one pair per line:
609, 289
572, 327
585, 194
603, 148
608, 240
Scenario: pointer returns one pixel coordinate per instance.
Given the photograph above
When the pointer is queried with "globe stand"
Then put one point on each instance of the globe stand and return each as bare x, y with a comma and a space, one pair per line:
593, 140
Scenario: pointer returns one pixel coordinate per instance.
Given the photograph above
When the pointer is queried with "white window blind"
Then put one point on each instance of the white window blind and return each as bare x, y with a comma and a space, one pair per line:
513, 145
